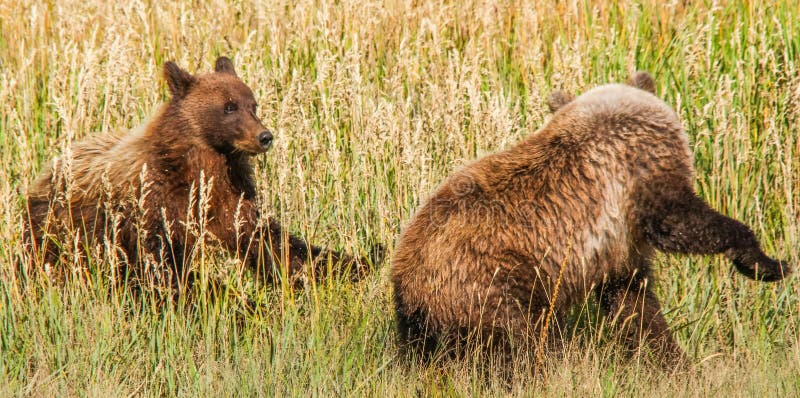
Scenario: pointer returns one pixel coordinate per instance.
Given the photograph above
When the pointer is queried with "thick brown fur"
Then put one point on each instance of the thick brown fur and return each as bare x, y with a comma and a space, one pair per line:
582, 203
147, 191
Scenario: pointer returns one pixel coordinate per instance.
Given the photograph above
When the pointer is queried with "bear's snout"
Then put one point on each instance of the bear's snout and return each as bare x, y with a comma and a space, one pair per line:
265, 139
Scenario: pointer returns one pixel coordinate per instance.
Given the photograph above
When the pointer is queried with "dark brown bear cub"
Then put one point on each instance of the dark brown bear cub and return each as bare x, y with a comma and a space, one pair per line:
578, 208
181, 178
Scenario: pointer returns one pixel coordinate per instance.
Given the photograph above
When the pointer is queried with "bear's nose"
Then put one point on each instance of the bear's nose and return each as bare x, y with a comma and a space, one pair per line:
265, 139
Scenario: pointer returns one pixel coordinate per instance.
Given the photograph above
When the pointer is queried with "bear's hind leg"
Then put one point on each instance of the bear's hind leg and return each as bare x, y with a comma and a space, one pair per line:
415, 339
676, 220
636, 316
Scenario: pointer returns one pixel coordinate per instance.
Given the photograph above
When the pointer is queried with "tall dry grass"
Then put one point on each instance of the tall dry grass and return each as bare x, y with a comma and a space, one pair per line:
374, 103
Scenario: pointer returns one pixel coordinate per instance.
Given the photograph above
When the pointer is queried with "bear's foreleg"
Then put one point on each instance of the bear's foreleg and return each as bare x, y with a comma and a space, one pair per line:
293, 253
170, 251
676, 220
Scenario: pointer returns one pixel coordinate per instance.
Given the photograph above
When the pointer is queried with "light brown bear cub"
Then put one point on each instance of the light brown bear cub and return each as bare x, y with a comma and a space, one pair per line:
596, 191
140, 189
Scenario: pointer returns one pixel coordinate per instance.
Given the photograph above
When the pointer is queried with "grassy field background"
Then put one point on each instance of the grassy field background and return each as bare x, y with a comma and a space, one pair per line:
373, 104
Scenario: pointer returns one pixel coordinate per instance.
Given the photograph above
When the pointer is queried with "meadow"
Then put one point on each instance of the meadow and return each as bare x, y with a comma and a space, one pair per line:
373, 103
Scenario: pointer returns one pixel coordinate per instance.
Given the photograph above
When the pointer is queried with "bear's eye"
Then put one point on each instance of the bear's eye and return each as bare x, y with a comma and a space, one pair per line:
230, 107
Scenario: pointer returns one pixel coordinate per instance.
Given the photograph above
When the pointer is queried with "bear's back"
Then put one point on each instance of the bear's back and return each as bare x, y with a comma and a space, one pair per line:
506, 223
114, 156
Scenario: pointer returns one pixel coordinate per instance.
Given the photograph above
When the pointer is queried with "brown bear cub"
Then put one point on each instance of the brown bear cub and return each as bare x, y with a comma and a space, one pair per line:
181, 178
576, 209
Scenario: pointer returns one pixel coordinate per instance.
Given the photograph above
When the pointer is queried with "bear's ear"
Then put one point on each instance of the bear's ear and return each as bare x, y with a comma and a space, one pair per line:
224, 65
644, 81
557, 99
178, 80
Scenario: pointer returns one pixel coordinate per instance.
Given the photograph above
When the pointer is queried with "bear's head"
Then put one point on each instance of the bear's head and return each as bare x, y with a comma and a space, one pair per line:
640, 79
218, 107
